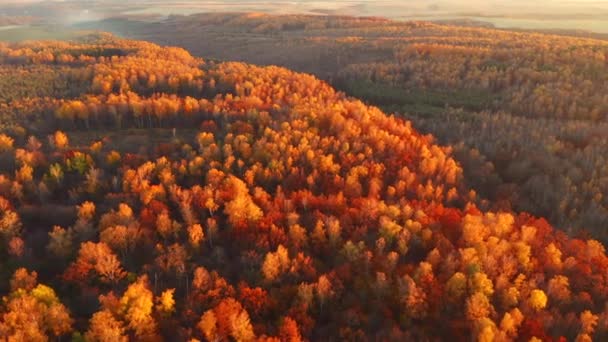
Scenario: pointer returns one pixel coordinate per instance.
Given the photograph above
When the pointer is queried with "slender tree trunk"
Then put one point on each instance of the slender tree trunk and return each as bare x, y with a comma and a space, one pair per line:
155, 282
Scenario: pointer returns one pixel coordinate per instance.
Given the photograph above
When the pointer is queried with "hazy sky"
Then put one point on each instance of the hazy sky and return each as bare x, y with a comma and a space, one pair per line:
568, 14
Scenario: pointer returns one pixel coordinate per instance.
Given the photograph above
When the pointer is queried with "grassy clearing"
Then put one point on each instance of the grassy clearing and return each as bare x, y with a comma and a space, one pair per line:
41, 32
132, 139
417, 101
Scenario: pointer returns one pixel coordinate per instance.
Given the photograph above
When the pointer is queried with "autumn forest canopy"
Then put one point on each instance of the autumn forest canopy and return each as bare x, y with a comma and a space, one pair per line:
524, 111
147, 194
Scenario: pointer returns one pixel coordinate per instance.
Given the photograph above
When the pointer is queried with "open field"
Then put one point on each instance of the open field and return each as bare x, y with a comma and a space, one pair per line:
39, 32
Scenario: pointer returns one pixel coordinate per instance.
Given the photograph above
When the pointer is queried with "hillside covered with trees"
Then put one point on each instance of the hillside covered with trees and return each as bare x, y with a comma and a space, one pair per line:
525, 112
146, 194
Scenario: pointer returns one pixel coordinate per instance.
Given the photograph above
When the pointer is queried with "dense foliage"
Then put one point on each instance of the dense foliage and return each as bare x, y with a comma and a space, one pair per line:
525, 110
262, 205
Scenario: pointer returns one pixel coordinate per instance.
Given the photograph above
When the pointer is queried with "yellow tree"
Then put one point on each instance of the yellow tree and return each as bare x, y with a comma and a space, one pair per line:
276, 263
104, 327
6, 143
33, 314
60, 140
165, 302
228, 318
241, 209
136, 306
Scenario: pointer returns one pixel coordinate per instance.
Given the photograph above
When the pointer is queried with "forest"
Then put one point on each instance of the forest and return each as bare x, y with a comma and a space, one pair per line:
146, 194
525, 112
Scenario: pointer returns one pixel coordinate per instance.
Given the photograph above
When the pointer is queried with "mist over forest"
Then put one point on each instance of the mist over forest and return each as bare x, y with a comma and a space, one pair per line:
588, 15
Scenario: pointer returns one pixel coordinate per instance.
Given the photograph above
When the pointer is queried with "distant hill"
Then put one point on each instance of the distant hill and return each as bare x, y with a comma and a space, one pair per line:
15, 20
